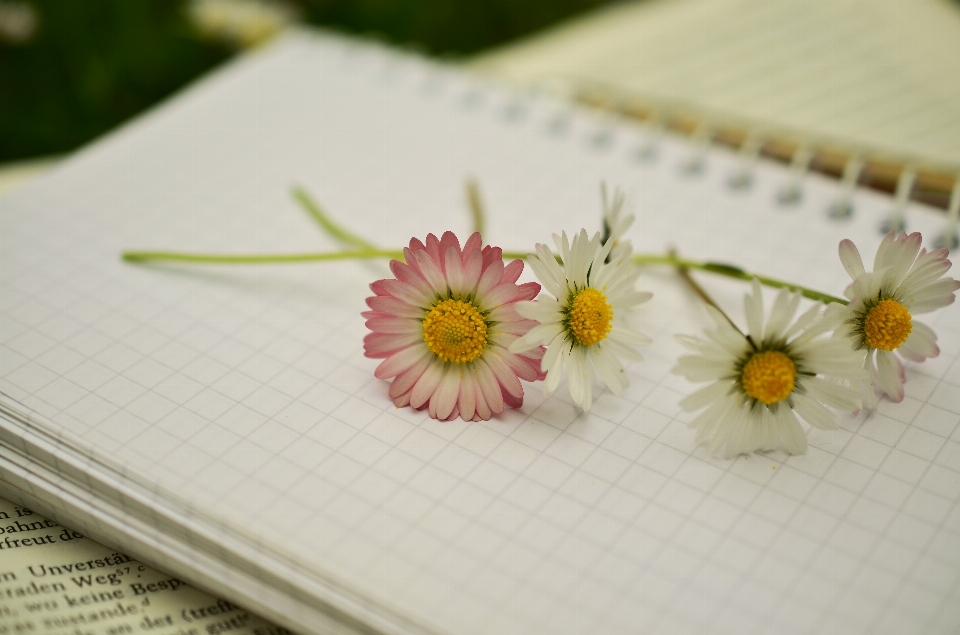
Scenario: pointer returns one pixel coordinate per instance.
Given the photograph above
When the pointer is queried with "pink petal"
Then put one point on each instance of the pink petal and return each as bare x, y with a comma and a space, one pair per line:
491, 255
447, 392
405, 273
448, 240
433, 248
405, 381
405, 292
504, 374
489, 387
379, 287
472, 265
513, 402
473, 245
489, 279
501, 294
427, 384
483, 410
511, 273
527, 370
433, 273
467, 401
400, 361
528, 291
383, 344
453, 267
392, 306
395, 325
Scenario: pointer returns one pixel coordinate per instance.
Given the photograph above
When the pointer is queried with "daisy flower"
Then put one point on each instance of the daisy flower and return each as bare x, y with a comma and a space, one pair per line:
906, 281
443, 326
761, 382
584, 325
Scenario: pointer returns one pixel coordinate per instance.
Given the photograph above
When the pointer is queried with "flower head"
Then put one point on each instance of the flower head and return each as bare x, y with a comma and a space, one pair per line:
614, 225
443, 326
584, 325
761, 382
906, 281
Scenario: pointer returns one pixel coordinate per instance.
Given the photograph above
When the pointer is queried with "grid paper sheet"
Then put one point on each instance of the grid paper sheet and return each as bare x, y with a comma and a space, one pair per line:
242, 393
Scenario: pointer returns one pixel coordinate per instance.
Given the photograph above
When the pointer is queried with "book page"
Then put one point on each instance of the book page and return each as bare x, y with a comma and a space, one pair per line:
238, 403
54, 579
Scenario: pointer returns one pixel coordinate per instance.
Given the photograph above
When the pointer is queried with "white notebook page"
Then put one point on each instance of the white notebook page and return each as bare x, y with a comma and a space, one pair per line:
242, 393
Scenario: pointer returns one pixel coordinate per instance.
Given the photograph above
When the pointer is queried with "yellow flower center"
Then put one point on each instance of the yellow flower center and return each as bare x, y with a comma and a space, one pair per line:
769, 377
455, 331
590, 317
887, 325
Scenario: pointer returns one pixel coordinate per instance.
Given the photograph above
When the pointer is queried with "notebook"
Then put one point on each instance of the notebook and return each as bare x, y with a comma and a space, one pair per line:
876, 82
222, 424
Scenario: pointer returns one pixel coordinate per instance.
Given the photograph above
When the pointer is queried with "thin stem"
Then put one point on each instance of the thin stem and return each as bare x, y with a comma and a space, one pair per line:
374, 252
684, 272
342, 234
276, 259
733, 272
243, 259
476, 205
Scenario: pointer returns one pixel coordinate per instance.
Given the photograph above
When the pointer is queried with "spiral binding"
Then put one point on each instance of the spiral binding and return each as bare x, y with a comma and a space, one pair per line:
514, 106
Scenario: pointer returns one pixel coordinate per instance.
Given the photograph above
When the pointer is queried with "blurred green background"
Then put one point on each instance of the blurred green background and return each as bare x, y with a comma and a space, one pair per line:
72, 69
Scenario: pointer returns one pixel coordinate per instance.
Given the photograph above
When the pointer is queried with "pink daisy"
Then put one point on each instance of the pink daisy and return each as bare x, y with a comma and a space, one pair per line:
443, 327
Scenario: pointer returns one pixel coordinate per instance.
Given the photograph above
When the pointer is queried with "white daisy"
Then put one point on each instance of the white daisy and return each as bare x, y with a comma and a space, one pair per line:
761, 382
906, 280
614, 227
584, 325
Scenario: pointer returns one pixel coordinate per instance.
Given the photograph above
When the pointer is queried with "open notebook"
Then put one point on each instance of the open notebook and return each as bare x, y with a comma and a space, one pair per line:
874, 83
223, 424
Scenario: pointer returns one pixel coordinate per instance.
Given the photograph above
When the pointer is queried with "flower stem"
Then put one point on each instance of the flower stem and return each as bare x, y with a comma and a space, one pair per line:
732, 272
369, 253
476, 205
275, 259
244, 259
684, 272
341, 234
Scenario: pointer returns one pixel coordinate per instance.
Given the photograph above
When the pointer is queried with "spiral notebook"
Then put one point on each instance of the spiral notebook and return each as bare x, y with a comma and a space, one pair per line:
223, 424
870, 88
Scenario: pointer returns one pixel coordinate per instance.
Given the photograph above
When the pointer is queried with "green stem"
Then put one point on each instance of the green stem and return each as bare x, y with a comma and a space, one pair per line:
372, 253
244, 259
476, 205
733, 272
684, 272
266, 259
342, 234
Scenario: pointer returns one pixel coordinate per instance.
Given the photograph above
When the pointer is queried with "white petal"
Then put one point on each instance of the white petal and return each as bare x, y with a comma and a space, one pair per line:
850, 258
921, 344
815, 413
889, 375
753, 308
794, 441
703, 397
554, 348
609, 370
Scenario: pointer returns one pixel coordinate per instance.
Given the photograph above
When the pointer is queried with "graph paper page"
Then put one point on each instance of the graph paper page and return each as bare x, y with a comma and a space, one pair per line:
242, 394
